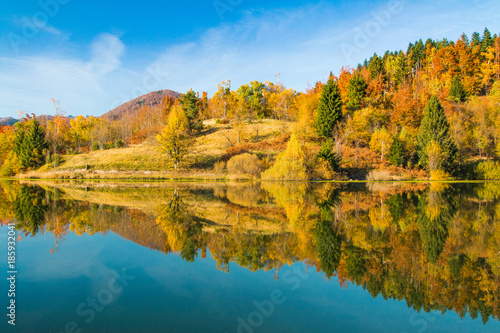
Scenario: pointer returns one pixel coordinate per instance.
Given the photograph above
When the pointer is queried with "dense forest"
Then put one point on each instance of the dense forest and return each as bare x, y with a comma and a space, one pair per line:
436, 246
430, 111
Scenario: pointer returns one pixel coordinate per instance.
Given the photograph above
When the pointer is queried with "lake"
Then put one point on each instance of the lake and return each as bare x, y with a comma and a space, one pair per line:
251, 257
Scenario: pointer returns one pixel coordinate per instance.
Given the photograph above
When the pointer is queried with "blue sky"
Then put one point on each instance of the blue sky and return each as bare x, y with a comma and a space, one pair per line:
92, 56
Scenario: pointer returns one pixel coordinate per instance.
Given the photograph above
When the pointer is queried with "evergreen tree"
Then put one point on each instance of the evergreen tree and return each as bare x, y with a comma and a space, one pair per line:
30, 145
465, 39
326, 152
356, 91
396, 152
486, 41
435, 128
476, 39
328, 242
376, 66
190, 105
30, 208
402, 69
457, 91
329, 109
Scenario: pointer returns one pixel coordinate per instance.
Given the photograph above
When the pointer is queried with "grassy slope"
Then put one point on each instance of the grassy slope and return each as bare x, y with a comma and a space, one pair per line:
145, 161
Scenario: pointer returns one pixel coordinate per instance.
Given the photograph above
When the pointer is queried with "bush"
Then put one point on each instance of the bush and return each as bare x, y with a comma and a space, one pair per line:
439, 174
118, 143
220, 167
244, 164
95, 146
487, 170
290, 164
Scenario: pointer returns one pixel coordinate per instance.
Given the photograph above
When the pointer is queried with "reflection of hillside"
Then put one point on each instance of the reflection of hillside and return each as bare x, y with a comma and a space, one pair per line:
437, 247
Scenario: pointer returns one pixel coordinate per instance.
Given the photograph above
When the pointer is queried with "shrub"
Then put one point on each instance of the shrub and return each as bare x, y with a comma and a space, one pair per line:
244, 164
379, 175
289, 165
488, 170
95, 146
220, 167
439, 175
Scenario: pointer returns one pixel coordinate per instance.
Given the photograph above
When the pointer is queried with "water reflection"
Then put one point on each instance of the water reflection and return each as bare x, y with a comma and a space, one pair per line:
436, 246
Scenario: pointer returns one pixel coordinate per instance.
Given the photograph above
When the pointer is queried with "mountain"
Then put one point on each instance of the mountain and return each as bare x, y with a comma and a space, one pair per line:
152, 99
8, 121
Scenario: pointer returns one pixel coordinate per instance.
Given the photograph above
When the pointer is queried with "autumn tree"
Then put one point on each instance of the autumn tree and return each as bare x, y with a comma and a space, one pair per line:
290, 164
223, 102
381, 142
174, 138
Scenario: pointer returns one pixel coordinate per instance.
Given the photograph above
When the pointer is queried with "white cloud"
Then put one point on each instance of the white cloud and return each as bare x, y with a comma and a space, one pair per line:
107, 49
82, 87
302, 44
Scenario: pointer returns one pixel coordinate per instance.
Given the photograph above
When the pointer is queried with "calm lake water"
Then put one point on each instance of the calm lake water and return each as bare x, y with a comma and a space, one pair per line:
252, 257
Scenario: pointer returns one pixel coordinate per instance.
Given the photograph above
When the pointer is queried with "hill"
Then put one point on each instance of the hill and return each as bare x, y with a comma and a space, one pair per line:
152, 99
8, 121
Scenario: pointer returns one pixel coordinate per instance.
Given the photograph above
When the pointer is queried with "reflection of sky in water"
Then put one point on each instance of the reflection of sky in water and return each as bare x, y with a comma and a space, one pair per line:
170, 295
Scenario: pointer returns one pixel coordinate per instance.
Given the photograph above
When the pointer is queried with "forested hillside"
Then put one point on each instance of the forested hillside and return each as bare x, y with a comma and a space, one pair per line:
430, 110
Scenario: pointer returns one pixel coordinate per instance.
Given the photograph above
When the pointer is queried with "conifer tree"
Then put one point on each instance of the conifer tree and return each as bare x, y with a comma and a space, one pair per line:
476, 39
486, 41
326, 152
329, 109
457, 91
356, 91
396, 152
30, 145
435, 128
190, 105
376, 66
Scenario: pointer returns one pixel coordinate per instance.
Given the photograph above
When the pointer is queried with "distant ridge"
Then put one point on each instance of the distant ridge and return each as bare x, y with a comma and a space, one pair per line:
152, 99
8, 121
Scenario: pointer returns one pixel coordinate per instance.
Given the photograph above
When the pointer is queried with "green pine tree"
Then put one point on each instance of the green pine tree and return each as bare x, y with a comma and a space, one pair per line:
476, 39
190, 105
376, 66
30, 145
356, 91
457, 91
326, 152
396, 152
329, 109
435, 127
486, 41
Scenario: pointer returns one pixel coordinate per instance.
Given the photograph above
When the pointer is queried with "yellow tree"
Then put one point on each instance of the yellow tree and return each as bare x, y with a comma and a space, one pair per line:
224, 100
381, 142
290, 164
174, 138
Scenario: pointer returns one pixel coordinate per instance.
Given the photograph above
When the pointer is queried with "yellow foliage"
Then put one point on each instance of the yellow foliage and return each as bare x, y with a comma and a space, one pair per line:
244, 164
289, 165
381, 142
